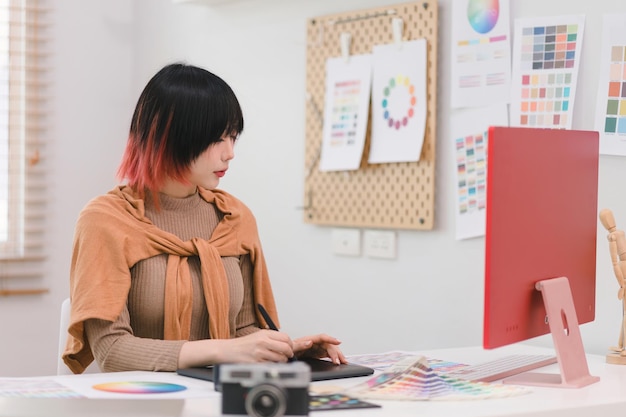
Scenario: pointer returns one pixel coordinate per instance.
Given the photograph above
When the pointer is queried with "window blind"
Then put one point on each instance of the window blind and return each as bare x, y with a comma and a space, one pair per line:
23, 92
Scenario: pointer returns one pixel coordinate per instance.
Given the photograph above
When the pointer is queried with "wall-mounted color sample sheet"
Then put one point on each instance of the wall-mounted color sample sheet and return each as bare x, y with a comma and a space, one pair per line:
346, 111
399, 103
469, 133
611, 104
546, 57
481, 53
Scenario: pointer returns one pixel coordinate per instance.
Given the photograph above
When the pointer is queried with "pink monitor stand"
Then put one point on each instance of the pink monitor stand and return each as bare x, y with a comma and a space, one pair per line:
563, 322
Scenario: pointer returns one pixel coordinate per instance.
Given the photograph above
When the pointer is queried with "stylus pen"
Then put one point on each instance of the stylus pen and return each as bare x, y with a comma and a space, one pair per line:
267, 317
270, 323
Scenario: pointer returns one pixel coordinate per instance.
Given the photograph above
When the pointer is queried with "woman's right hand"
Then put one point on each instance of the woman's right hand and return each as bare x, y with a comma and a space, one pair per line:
261, 346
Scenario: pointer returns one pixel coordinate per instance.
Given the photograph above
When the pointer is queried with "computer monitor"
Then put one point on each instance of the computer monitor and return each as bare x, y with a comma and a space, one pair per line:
541, 226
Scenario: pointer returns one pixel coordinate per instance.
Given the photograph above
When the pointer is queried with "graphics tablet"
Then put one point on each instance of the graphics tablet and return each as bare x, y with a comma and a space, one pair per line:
320, 370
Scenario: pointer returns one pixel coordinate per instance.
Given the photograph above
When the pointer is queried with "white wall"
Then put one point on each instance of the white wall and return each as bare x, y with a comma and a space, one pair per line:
429, 297
92, 101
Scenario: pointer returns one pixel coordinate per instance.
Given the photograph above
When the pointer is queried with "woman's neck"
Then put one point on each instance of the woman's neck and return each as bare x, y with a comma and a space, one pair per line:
178, 189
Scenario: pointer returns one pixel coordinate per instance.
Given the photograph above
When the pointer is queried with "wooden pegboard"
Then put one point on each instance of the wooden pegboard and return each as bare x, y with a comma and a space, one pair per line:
390, 196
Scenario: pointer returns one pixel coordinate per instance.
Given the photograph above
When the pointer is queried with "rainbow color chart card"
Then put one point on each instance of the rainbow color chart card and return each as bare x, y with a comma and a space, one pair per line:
611, 104
546, 57
399, 105
469, 133
346, 111
481, 53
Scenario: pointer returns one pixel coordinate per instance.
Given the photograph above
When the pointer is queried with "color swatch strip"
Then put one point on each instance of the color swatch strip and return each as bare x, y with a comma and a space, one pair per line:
482, 41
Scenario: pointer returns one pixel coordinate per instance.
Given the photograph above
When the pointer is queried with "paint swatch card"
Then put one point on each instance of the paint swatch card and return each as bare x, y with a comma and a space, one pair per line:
546, 57
346, 111
481, 53
611, 102
399, 104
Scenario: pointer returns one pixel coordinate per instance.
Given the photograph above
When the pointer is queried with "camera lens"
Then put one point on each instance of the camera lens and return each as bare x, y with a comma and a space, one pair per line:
266, 401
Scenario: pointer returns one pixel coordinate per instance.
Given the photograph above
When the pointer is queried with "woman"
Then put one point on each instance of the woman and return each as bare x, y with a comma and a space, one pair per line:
167, 270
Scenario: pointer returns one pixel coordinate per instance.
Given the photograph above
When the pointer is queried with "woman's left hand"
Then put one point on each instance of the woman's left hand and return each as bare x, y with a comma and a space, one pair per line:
319, 346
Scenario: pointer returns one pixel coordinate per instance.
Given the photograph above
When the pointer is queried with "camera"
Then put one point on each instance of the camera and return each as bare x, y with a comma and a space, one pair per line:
265, 389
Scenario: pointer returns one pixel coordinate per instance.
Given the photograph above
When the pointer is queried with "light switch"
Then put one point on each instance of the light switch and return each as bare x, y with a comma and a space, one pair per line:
346, 242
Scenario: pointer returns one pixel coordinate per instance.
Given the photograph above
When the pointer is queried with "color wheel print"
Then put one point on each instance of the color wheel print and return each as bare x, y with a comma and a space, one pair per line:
397, 92
139, 387
483, 14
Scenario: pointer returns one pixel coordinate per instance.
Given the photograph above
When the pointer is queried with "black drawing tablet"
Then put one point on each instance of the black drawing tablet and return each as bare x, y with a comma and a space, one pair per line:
321, 370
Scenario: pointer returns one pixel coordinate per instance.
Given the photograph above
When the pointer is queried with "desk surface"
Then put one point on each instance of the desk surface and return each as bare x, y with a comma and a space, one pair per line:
606, 398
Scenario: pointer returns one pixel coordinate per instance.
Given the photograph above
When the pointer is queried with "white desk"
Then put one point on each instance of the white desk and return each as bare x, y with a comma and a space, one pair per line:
605, 398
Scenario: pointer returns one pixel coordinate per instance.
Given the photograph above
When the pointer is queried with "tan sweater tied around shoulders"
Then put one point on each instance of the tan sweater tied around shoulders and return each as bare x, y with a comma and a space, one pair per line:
112, 234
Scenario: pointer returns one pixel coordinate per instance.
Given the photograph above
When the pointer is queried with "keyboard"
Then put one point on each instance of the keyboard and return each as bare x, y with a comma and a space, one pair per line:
502, 367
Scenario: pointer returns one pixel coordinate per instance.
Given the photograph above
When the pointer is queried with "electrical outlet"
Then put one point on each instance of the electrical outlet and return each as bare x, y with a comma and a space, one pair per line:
380, 244
346, 242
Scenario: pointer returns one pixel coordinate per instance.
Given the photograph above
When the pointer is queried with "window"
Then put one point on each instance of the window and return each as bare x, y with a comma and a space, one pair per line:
22, 99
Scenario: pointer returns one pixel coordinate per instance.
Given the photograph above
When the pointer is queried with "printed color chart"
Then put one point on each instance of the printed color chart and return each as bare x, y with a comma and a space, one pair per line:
345, 112
610, 117
471, 165
481, 51
545, 66
615, 120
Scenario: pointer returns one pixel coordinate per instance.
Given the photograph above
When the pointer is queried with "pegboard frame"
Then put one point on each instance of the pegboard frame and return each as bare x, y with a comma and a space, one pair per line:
392, 195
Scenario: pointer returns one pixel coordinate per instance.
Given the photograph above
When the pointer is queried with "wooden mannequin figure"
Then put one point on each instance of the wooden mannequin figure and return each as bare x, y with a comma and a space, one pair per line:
617, 248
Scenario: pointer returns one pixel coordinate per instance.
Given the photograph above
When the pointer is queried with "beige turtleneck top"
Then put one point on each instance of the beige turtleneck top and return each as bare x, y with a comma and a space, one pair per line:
135, 340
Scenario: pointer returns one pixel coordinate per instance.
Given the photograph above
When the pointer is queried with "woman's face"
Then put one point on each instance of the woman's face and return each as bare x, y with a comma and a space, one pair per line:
206, 170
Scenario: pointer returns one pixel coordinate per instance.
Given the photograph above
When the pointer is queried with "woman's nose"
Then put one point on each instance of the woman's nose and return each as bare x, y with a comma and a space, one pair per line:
228, 152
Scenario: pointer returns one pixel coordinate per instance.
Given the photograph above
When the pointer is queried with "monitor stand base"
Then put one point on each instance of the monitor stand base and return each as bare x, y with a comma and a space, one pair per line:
570, 354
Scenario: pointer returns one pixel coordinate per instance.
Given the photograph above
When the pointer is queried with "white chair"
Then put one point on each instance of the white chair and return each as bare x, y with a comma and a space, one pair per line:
62, 368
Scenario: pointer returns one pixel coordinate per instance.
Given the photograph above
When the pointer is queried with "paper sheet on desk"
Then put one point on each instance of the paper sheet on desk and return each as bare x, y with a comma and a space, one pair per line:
77, 386
413, 379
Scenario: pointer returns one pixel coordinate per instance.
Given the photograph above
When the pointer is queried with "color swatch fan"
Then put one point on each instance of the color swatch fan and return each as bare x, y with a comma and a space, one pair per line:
420, 382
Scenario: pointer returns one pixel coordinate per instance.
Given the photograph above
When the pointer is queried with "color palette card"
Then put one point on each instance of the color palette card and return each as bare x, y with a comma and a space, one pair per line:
546, 57
611, 102
337, 402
